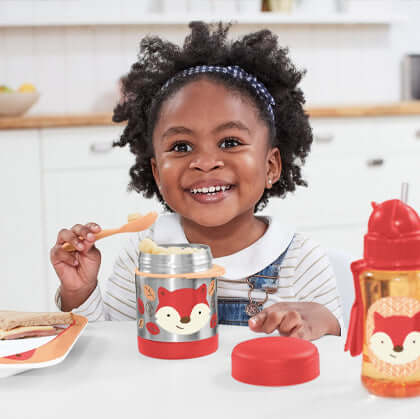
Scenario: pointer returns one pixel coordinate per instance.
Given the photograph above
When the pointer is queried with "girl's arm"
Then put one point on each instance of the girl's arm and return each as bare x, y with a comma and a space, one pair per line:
317, 309
118, 301
305, 320
92, 308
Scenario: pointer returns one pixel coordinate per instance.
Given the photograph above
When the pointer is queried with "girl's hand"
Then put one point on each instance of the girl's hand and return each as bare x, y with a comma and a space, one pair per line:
301, 320
77, 271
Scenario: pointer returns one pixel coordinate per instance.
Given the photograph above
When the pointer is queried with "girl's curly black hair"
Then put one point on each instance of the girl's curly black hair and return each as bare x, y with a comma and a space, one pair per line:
258, 54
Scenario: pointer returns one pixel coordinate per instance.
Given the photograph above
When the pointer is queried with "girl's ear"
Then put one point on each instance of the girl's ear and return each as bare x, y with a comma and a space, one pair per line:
273, 167
155, 171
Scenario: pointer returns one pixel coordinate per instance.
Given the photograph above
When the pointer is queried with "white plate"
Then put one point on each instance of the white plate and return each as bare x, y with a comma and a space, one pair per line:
21, 355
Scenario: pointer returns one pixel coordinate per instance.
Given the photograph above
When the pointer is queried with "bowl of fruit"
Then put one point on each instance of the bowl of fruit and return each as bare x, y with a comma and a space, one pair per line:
17, 102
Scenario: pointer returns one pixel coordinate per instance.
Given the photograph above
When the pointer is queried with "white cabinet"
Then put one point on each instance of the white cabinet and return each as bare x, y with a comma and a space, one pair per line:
86, 180
383, 152
23, 257
353, 162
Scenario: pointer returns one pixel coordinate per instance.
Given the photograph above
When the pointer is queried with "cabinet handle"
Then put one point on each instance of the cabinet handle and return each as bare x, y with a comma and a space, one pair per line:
323, 138
418, 134
375, 162
102, 147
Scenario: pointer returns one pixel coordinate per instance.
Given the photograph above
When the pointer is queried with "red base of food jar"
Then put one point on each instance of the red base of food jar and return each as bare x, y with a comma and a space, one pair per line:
178, 350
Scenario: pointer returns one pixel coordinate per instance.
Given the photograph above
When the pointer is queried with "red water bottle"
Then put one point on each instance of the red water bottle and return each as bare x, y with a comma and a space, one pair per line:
385, 317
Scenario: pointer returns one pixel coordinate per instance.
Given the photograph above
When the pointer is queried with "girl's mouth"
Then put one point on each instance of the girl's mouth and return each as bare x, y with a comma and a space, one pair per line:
210, 194
211, 189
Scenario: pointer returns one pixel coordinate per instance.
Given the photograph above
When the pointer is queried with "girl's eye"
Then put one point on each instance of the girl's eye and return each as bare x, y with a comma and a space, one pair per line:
181, 147
230, 142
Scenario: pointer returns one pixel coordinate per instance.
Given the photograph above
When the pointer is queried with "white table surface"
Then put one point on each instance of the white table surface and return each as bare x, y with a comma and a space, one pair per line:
104, 376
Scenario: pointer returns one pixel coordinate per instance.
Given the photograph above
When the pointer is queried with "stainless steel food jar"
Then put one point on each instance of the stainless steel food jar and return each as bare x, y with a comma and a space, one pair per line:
176, 303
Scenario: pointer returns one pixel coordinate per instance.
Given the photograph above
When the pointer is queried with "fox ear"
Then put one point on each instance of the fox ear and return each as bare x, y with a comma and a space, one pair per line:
203, 290
162, 292
417, 319
377, 317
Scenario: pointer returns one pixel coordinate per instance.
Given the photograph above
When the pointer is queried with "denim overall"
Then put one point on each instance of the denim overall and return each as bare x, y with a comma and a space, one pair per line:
231, 310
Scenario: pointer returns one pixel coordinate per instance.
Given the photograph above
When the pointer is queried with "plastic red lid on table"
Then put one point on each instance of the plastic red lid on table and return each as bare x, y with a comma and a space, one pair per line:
275, 361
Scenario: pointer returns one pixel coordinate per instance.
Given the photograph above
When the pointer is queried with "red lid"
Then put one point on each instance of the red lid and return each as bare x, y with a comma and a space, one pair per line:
393, 238
275, 361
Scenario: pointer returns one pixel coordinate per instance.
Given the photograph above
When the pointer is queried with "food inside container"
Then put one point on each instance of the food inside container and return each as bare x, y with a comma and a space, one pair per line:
149, 246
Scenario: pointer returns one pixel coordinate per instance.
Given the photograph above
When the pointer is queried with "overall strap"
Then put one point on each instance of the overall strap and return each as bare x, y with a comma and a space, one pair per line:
233, 310
268, 278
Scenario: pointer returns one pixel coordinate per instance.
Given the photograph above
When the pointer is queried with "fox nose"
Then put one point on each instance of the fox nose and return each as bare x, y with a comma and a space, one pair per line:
397, 348
185, 319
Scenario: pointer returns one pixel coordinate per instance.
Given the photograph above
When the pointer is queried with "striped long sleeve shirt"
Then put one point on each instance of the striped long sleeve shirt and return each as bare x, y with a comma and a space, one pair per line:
305, 273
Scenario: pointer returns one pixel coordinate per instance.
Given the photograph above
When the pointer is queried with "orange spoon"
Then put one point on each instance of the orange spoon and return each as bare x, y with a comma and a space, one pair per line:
137, 224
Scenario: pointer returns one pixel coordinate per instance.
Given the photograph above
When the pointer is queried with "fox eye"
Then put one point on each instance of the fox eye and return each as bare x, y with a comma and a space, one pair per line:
414, 341
168, 315
381, 340
199, 312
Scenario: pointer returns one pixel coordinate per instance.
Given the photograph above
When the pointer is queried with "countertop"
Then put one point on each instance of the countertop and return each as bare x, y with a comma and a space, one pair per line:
89, 119
104, 376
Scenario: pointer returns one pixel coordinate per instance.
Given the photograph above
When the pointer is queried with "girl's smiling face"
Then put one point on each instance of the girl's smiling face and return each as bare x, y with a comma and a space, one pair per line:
212, 158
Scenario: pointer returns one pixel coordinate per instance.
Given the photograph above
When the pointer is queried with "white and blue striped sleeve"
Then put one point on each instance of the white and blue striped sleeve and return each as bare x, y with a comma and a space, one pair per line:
314, 279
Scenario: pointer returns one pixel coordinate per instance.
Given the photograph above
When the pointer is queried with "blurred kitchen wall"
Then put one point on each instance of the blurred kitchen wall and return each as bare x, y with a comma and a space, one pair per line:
76, 68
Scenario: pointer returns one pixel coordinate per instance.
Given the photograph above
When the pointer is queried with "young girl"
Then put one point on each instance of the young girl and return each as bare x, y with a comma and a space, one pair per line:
217, 129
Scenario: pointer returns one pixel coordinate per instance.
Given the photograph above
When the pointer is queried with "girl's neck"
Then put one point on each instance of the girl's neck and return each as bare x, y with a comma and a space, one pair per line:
226, 239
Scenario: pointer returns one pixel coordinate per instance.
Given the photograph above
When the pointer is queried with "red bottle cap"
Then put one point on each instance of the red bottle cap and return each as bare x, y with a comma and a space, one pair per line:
393, 238
275, 361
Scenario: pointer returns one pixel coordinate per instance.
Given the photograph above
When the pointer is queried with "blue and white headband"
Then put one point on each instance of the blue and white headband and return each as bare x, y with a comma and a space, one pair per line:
235, 72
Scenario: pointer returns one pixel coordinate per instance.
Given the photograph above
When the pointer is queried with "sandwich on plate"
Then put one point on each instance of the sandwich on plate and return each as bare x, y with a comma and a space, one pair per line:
18, 324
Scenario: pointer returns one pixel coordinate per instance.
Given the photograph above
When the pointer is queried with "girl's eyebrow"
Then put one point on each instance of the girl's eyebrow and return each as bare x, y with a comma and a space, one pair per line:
231, 124
176, 130
226, 125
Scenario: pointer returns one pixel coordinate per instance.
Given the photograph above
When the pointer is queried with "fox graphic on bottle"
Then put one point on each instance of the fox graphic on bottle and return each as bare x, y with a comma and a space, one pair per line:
393, 330
396, 339
184, 311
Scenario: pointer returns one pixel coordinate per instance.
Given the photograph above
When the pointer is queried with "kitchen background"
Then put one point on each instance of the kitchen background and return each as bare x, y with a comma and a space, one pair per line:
57, 164
76, 65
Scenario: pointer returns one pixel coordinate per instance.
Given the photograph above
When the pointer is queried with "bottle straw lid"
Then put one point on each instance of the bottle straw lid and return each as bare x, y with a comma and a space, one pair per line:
393, 238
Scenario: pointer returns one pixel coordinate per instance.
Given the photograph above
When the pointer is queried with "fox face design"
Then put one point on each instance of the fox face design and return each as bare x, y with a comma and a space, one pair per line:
184, 311
396, 339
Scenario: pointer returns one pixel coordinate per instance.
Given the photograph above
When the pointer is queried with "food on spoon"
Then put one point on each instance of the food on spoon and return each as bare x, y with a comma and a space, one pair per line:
133, 216
18, 324
149, 246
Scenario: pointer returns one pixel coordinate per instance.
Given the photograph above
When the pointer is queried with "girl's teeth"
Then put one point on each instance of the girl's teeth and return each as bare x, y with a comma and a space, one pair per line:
210, 189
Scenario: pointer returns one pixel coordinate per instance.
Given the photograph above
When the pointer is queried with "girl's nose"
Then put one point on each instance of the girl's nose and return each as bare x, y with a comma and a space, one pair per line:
206, 162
